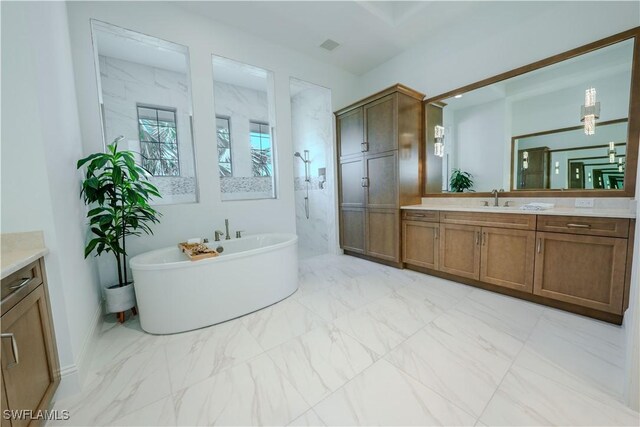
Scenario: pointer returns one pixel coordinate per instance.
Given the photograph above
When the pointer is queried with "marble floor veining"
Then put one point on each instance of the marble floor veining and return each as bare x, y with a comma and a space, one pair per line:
363, 344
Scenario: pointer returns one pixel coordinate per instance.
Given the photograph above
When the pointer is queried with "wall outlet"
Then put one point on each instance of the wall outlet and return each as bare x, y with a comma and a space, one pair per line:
584, 203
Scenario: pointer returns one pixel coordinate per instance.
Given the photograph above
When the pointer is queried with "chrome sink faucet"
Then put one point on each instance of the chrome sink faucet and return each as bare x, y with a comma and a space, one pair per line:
495, 193
217, 235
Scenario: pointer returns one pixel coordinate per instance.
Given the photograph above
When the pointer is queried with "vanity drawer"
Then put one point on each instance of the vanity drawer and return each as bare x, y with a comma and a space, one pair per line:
22, 281
609, 227
420, 215
498, 220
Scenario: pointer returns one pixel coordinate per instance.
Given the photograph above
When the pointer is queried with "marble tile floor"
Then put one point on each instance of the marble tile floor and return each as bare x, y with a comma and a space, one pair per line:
363, 344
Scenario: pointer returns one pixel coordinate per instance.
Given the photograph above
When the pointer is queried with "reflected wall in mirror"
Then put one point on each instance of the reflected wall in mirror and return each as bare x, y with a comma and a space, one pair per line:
533, 130
145, 96
245, 121
570, 159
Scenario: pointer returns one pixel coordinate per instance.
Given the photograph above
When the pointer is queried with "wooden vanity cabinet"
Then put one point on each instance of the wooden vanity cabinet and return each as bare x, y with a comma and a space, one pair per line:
421, 238
379, 140
574, 263
584, 270
460, 250
28, 358
507, 258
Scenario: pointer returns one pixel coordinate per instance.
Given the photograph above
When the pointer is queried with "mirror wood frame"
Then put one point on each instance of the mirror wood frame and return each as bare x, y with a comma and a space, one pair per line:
633, 131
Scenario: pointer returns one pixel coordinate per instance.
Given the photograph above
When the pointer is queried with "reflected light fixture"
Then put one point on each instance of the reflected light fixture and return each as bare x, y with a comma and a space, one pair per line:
577, 173
620, 165
589, 176
612, 152
590, 111
525, 160
557, 168
438, 147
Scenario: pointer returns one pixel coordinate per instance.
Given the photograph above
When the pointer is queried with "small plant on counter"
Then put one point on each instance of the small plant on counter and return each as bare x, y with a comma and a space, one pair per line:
460, 181
118, 191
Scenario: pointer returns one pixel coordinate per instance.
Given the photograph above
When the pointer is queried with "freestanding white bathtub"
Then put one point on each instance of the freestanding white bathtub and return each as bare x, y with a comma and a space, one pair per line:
175, 294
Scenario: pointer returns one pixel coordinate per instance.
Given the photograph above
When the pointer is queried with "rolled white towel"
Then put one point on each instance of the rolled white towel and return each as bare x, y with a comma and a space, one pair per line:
537, 206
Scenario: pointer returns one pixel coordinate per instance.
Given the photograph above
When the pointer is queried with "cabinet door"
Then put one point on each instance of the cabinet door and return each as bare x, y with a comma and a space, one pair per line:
350, 132
383, 234
508, 257
420, 243
460, 250
28, 375
382, 180
381, 125
352, 191
352, 229
583, 270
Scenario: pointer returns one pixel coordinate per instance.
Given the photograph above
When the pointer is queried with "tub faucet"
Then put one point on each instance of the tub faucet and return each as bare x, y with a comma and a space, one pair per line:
226, 226
217, 235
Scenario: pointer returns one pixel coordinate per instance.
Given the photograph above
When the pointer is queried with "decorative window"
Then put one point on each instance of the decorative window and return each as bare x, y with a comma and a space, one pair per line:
224, 146
261, 152
158, 140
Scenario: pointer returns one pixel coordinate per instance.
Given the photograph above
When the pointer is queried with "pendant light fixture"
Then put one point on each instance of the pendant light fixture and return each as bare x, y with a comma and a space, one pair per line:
590, 111
612, 152
525, 160
438, 147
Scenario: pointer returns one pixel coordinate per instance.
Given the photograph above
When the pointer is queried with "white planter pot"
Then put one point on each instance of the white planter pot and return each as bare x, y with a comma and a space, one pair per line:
119, 299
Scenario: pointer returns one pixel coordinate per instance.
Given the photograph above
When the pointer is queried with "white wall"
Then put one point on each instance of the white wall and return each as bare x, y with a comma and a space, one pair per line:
204, 37
40, 185
463, 54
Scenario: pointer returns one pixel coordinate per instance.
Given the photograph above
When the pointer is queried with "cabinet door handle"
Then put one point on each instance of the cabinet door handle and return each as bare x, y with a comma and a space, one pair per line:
484, 239
436, 231
365, 181
364, 146
14, 348
539, 246
573, 225
477, 237
23, 283
417, 215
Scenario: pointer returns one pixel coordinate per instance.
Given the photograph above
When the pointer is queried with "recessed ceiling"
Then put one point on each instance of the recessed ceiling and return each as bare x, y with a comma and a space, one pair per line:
369, 32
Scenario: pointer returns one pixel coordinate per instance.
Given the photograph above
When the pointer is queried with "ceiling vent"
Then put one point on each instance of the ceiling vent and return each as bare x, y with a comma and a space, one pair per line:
329, 44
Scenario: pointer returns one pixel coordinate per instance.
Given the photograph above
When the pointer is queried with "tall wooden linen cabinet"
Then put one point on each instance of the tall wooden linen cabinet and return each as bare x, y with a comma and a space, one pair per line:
379, 142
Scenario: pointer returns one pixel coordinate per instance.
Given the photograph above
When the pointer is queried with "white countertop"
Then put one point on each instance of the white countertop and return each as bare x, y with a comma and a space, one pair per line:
19, 250
589, 212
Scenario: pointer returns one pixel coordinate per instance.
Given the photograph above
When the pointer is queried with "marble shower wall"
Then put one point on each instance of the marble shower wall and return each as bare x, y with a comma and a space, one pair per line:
312, 129
126, 84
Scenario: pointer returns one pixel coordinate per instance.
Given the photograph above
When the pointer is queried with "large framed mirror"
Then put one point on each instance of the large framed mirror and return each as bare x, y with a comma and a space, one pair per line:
565, 126
145, 96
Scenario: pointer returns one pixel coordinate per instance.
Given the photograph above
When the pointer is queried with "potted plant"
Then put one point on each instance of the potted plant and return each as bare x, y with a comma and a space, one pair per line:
118, 191
460, 181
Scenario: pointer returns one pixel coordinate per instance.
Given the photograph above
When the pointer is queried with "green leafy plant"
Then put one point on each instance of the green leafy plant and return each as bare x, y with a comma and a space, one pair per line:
460, 181
119, 193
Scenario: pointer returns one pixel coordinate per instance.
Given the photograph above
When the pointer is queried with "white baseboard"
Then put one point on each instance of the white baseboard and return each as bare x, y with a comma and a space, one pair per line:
72, 376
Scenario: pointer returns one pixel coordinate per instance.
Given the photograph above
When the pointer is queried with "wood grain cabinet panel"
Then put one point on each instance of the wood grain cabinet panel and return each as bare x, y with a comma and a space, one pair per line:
508, 258
30, 374
608, 227
585, 270
383, 234
350, 127
352, 230
351, 183
420, 243
420, 215
502, 220
460, 250
382, 186
381, 125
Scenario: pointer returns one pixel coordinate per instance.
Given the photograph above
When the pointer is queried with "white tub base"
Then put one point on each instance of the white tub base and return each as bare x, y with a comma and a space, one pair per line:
176, 295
